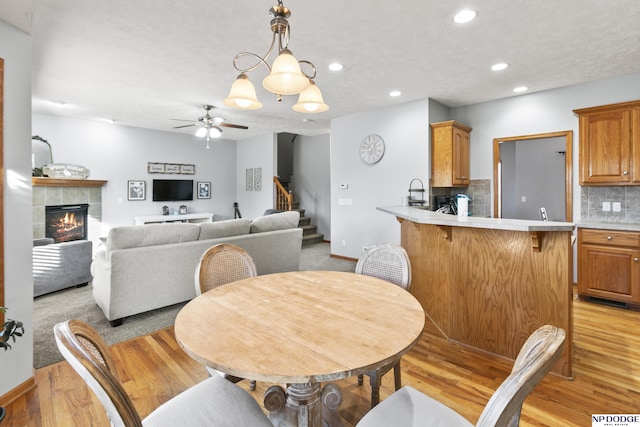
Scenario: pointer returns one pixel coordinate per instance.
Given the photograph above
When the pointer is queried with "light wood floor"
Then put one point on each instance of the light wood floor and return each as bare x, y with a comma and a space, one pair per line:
153, 369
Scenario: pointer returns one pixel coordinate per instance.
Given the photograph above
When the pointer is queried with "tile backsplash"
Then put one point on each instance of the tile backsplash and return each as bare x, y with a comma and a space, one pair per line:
592, 198
479, 190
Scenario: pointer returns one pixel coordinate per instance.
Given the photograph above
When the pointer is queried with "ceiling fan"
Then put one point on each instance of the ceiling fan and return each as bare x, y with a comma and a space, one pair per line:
210, 127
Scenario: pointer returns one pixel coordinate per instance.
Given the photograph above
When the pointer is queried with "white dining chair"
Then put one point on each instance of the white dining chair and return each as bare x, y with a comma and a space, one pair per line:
213, 401
221, 264
409, 407
391, 263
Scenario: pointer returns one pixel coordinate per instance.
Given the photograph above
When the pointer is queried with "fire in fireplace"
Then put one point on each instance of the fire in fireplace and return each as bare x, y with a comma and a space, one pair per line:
64, 223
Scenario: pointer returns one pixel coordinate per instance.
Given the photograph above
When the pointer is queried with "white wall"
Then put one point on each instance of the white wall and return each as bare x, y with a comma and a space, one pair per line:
405, 130
15, 48
120, 153
311, 184
258, 152
541, 112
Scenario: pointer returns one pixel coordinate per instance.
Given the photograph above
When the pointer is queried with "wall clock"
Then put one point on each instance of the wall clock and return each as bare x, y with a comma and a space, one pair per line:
371, 149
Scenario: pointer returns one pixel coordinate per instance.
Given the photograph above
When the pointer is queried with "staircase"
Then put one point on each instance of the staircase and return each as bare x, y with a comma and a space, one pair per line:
309, 232
285, 202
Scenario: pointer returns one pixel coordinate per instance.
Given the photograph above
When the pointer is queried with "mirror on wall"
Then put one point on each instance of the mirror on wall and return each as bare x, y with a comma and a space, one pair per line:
531, 172
40, 154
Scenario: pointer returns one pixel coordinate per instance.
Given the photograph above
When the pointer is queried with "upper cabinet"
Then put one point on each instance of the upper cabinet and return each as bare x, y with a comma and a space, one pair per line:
610, 144
449, 154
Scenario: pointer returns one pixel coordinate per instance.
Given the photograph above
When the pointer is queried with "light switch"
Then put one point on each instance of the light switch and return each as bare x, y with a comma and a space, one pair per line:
617, 207
606, 206
523, 199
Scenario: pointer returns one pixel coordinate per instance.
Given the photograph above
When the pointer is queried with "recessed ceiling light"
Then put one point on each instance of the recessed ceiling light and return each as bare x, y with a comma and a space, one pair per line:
499, 66
336, 66
520, 89
395, 93
465, 16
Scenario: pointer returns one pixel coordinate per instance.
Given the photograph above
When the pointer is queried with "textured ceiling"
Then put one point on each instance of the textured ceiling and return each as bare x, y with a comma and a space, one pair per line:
145, 62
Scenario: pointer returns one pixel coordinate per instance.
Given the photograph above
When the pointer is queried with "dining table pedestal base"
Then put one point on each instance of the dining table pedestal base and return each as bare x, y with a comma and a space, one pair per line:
304, 405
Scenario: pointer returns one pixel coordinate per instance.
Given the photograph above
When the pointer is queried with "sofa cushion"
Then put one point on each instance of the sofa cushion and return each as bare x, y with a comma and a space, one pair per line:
230, 227
278, 221
134, 236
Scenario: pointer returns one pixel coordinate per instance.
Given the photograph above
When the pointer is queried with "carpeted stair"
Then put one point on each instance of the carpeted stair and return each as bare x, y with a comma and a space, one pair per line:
310, 233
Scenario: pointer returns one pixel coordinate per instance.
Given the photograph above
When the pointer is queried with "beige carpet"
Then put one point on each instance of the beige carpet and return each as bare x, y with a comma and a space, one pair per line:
78, 303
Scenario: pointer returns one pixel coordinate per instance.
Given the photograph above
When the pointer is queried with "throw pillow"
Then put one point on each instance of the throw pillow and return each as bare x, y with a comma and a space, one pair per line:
278, 221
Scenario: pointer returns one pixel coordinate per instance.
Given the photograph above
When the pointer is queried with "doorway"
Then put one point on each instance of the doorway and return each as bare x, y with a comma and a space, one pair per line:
531, 172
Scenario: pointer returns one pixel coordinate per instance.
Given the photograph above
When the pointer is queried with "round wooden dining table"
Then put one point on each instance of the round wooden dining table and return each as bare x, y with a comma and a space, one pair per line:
301, 328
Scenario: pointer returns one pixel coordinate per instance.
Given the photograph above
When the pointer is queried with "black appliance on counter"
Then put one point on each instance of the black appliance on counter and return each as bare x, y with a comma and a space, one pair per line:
445, 204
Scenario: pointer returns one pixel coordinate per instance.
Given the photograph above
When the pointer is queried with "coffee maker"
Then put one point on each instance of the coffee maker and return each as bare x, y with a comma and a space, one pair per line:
445, 204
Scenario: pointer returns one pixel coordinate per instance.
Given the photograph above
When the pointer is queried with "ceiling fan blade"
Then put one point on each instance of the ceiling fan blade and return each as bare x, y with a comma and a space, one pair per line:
183, 126
182, 120
230, 125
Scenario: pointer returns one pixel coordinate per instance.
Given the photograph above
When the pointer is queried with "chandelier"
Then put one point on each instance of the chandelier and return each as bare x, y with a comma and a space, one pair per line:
285, 75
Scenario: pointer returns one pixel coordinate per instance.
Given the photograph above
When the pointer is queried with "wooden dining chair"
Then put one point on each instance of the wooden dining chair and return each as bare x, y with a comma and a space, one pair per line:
409, 407
391, 263
213, 401
221, 264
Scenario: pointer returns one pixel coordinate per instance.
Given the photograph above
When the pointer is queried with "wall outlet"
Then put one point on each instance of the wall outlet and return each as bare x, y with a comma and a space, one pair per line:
606, 206
344, 243
617, 207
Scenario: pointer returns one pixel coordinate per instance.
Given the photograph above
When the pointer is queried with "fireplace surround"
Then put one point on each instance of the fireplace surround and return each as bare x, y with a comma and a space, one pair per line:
54, 191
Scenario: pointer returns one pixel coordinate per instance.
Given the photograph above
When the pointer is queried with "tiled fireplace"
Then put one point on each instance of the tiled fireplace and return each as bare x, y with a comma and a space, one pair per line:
61, 192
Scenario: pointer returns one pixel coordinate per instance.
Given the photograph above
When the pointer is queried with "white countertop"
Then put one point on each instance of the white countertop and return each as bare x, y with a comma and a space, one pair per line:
423, 216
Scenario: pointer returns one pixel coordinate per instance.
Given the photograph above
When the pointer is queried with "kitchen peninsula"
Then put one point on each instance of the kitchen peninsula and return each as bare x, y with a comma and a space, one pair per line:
489, 282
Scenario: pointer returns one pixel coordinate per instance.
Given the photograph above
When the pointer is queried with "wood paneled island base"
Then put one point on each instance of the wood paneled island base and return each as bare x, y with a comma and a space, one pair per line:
488, 283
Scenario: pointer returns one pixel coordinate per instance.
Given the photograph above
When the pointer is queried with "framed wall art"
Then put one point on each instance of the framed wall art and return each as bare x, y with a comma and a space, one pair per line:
187, 169
204, 190
257, 179
136, 190
249, 179
171, 168
155, 167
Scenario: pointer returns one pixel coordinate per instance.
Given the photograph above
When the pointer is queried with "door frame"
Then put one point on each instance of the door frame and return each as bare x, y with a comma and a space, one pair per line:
568, 168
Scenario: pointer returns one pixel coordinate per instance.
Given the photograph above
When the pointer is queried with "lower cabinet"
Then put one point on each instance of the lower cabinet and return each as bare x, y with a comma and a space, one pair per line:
608, 265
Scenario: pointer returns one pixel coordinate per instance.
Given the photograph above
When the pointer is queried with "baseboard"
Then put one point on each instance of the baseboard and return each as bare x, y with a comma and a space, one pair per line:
18, 391
343, 257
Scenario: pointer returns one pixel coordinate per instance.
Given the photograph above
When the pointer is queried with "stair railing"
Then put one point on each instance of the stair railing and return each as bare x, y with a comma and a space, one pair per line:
284, 197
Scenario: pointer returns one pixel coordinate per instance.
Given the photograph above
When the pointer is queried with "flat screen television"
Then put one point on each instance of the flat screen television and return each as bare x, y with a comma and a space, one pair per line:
172, 190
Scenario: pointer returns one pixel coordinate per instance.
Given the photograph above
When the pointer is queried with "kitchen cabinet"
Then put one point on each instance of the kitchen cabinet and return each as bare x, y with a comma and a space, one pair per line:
450, 154
608, 265
609, 141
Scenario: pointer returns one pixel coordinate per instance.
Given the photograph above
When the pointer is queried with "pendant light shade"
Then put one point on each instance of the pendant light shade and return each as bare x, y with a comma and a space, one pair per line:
286, 77
242, 94
201, 132
310, 101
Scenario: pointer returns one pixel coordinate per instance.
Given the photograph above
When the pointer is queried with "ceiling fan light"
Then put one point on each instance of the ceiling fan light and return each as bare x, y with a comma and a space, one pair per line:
215, 132
286, 77
310, 100
201, 132
242, 94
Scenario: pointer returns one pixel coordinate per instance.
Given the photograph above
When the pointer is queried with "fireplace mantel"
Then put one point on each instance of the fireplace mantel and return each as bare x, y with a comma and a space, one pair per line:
63, 182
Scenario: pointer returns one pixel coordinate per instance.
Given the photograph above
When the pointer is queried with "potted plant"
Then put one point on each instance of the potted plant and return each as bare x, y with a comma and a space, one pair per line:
10, 330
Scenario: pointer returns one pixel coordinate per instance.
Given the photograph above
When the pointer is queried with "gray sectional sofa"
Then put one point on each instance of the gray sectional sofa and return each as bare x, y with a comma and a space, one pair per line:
145, 267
